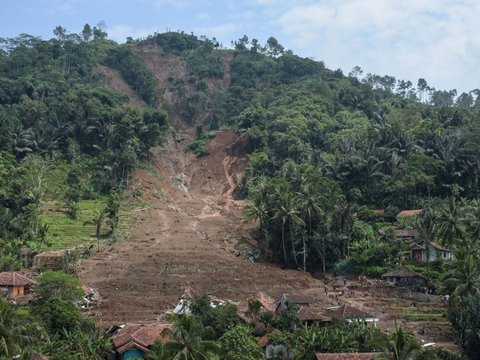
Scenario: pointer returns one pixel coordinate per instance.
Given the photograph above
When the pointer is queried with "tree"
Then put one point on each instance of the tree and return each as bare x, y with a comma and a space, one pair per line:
463, 277
449, 224
99, 220
239, 344
273, 47
425, 226
187, 342
403, 346
16, 332
58, 284
87, 32
465, 319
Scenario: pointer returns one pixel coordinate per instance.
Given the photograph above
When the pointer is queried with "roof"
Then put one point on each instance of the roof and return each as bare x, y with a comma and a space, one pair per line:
407, 213
406, 232
346, 356
297, 298
349, 312
15, 279
402, 272
60, 253
438, 247
306, 314
139, 336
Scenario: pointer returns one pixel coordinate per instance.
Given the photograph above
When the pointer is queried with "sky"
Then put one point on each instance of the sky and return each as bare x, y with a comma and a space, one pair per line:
410, 39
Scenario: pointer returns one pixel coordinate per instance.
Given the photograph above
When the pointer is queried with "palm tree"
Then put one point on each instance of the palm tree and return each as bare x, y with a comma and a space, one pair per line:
449, 224
98, 219
403, 346
257, 211
15, 333
187, 342
287, 212
425, 227
463, 279
309, 203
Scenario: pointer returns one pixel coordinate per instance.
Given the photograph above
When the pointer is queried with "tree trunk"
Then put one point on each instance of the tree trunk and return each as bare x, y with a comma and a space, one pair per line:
283, 243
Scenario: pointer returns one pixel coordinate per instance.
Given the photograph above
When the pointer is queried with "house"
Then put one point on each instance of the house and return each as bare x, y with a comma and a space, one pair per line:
404, 277
16, 284
310, 316
347, 356
351, 314
133, 341
298, 299
51, 260
418, 252
406, 234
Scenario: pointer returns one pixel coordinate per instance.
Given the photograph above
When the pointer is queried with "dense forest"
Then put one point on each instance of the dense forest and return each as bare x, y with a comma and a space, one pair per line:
333, 157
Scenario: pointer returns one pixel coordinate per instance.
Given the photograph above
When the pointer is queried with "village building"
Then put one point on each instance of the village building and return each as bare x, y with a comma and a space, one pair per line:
133, 341
298, 299
51, 260
16, 284
347, 356
404, 277
407, 235
352, 314
418, 252
310, 316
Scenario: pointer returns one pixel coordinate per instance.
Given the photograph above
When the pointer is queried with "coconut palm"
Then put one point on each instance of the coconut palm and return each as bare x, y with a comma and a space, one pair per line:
463, 279
186, 340
402, 346
450, 224
99, 220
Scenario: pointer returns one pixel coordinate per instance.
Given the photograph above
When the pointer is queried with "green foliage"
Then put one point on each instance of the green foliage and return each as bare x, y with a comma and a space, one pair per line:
59, 285
239, 344
133, 70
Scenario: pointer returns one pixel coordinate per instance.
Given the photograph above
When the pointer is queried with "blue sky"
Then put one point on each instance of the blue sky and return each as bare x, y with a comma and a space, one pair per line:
408, 39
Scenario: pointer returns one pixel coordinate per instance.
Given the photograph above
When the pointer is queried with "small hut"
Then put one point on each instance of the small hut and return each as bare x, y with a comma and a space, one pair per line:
404, 277
16, 284
51, 260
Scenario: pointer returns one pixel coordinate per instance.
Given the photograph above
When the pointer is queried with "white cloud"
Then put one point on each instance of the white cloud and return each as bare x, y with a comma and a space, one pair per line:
435, 39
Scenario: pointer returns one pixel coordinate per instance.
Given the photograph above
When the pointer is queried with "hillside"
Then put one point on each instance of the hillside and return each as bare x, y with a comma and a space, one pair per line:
192, 238
236, 171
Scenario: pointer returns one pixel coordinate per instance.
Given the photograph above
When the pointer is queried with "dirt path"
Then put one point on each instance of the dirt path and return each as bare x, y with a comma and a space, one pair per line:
188, 239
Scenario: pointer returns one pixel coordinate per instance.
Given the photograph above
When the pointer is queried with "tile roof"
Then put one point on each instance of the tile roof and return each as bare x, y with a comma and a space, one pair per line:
406, 232
349, 312
438, 247
346, 356
297, 298
306, 314
402, 272
15, 279
140, 336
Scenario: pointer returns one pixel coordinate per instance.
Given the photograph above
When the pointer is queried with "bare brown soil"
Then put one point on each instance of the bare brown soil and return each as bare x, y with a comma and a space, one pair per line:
190, 238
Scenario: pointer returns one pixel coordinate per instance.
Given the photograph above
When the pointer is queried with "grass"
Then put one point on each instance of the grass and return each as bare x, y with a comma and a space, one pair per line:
65, 232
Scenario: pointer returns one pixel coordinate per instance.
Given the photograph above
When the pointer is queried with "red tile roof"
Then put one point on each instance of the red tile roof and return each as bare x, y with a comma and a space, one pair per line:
139, 336
346, 356
15, 279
